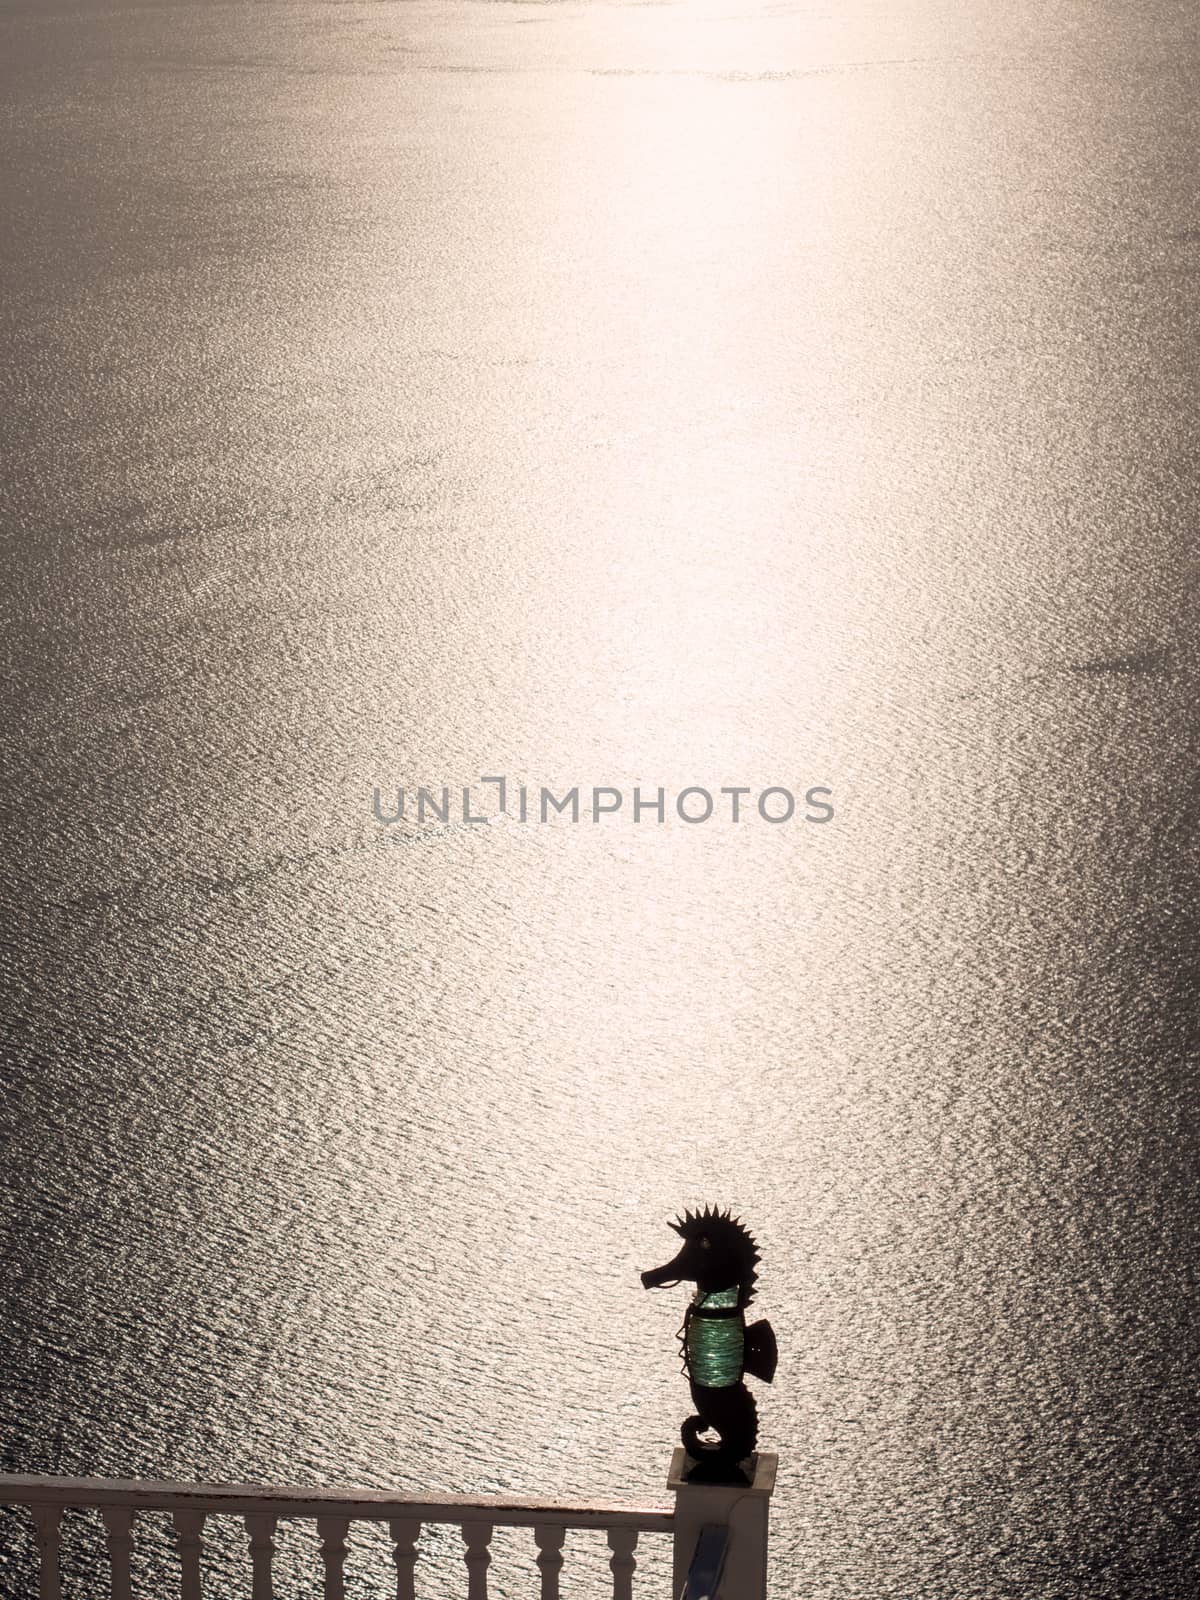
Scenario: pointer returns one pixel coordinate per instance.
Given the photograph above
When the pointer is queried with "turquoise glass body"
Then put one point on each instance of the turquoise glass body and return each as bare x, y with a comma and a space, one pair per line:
715, 1346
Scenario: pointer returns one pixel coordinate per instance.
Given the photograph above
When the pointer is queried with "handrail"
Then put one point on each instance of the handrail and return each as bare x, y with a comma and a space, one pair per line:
359, 1505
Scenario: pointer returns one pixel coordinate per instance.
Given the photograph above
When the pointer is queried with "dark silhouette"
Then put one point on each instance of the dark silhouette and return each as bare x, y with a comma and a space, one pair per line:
719, 1256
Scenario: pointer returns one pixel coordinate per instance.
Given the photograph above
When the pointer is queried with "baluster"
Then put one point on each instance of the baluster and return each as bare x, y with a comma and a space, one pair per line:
622, 1542
549, 1539
46, 1521
118, 1536
477, 1536
261, 1528
405, 1534
188, 1525
333, 1531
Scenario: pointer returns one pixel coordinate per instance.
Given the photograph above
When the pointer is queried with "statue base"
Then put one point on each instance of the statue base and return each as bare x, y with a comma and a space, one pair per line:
700, 1470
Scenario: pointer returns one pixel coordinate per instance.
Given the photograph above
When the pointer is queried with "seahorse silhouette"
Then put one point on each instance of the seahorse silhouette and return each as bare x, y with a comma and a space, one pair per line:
719, 1256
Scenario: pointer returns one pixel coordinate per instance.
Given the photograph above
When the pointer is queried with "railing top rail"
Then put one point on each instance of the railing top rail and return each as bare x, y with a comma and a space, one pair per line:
360, 1505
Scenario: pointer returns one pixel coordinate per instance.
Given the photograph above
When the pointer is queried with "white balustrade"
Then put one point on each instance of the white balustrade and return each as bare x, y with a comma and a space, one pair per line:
405, 1532
47, 1520
477, 1536
739, 1514
118, 1531
188, 1527
549, 1540
260, 1527
622, 1542
334, 1532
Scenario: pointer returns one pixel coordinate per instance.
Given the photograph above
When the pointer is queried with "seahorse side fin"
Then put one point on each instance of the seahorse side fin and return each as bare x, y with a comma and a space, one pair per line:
761, 1351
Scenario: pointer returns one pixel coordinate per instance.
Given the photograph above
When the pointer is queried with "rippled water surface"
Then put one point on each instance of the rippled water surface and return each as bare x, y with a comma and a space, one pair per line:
668, 394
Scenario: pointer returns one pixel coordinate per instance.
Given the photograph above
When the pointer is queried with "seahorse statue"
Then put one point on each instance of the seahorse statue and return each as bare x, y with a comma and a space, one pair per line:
719, 1256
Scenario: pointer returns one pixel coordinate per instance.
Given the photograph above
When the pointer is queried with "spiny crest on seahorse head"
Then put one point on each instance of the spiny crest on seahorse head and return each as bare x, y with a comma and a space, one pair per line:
729, 1235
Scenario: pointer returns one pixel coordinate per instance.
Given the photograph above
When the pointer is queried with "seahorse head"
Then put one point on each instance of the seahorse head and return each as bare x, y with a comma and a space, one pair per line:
718, 1252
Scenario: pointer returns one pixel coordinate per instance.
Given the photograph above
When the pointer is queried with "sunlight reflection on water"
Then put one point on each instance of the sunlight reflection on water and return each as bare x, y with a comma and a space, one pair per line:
608, 395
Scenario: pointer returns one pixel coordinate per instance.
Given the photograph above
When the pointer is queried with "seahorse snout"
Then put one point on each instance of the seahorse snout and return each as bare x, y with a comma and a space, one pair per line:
657, 1276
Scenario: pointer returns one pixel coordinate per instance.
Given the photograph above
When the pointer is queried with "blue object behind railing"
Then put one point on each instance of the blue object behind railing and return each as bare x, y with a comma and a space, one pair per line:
704, 1574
